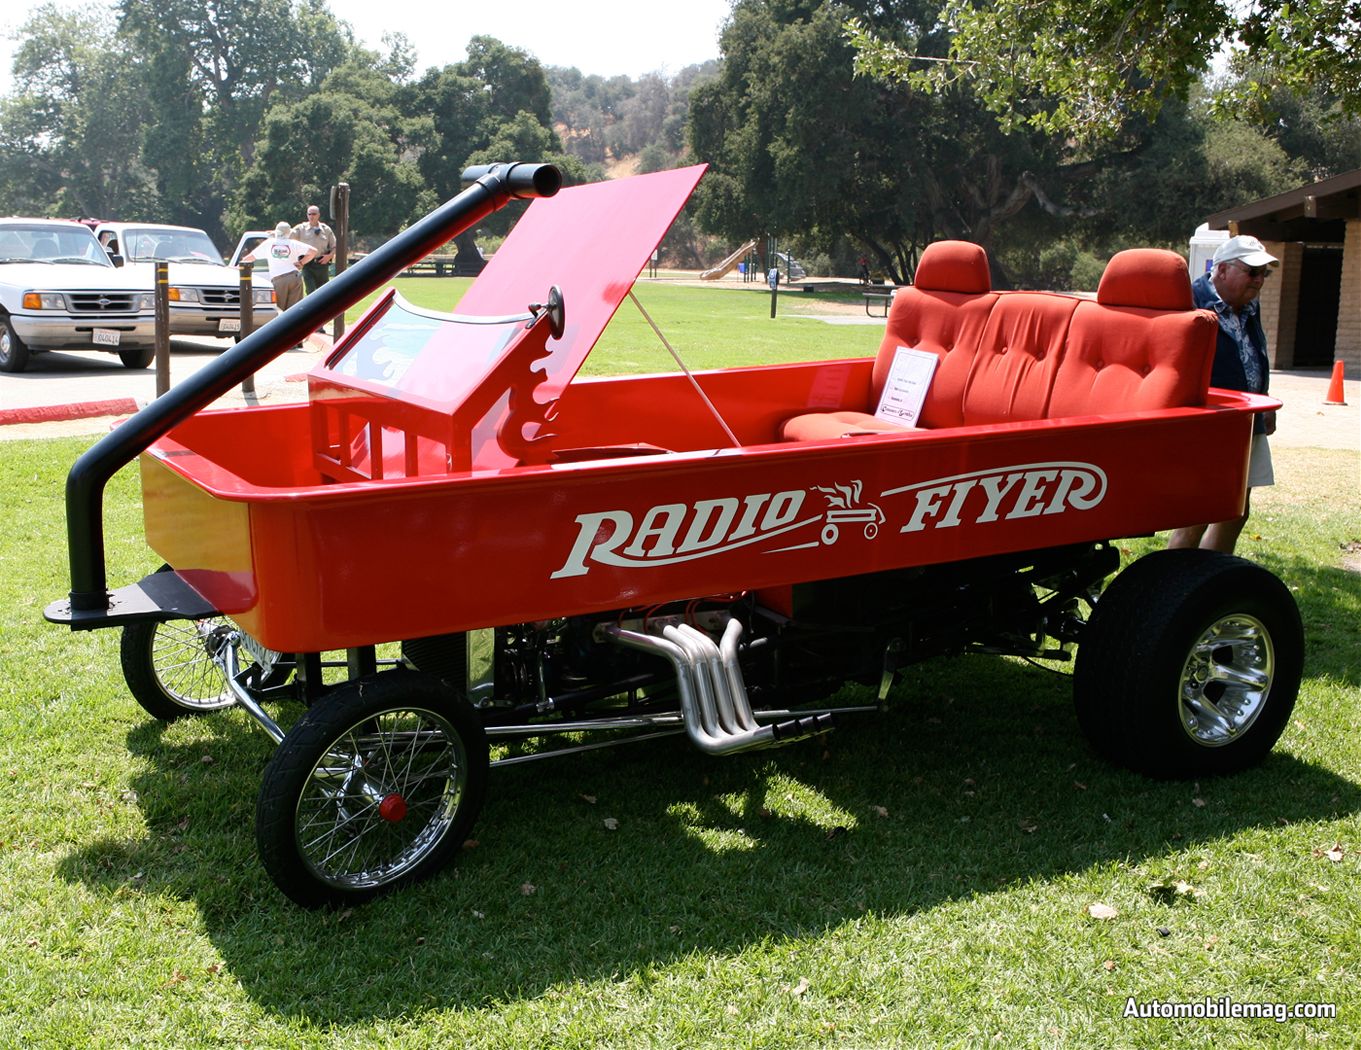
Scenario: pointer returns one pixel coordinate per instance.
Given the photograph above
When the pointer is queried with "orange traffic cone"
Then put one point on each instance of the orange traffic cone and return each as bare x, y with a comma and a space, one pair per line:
1335, 395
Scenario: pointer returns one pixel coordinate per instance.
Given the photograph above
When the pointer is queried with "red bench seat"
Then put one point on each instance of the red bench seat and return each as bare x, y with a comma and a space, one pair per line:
1016, 356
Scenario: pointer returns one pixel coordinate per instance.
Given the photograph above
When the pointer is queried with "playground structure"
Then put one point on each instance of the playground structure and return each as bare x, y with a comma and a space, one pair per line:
727, 265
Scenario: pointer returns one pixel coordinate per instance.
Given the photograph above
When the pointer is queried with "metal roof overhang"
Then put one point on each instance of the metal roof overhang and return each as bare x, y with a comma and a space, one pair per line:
1315, 213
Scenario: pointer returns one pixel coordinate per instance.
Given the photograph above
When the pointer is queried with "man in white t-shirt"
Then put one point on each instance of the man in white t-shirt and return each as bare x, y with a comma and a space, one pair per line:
286, 258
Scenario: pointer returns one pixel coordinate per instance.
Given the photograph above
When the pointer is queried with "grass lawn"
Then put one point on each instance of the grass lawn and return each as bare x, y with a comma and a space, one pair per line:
921, 878
708, 327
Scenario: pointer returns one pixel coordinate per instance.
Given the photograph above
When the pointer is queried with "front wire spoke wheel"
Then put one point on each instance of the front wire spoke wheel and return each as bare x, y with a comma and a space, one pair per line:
181, 659
169, 668
395, 801
376, 786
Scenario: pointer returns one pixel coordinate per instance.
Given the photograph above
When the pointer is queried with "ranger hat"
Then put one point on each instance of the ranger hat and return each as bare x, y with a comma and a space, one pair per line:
1247, 250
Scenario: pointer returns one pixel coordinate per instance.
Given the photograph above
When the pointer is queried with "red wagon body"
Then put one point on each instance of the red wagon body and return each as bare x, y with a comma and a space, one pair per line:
234, 502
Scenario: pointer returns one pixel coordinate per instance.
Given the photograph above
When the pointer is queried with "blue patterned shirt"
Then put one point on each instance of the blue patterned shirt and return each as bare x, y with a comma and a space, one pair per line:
1241, 361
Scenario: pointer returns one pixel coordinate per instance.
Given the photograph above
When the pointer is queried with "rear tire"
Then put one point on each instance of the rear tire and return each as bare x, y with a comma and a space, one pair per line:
13, 352
374, 788
1189, 665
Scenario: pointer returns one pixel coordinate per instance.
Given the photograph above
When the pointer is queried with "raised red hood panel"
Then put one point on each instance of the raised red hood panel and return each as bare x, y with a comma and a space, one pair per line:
591, 241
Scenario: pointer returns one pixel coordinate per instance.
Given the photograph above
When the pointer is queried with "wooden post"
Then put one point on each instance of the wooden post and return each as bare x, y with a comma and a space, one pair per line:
246, 308
340, 215
162, 327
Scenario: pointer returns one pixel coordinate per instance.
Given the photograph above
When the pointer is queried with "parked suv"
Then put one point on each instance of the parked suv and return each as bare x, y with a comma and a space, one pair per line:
60, 291
205, 293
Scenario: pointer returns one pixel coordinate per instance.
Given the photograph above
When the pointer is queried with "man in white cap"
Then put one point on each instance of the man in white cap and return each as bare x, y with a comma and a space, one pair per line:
1230, 288
286, 258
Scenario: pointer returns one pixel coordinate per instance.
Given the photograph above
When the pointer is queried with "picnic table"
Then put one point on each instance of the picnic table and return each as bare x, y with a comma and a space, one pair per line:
877, 298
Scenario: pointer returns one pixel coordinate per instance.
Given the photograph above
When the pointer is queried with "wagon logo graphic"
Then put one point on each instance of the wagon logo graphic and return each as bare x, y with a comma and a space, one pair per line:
843, 509
1024, 490
671, 533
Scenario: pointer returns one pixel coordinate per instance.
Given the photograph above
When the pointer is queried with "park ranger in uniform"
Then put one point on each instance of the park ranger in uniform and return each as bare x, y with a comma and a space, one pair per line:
322, 238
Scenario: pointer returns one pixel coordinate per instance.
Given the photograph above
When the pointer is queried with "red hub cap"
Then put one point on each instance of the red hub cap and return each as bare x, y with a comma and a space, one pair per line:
392, 808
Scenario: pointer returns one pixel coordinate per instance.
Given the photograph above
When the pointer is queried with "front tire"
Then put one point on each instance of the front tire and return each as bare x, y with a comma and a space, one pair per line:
137, 358
1189, 665
375, 787
13, 352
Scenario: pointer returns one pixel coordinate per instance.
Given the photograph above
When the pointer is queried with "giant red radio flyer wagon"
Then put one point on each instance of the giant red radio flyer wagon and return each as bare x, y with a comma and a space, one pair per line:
490, 547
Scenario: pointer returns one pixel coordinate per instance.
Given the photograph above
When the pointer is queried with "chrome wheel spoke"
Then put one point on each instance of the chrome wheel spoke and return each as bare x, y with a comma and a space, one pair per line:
343, 834
1250, 677
183, 666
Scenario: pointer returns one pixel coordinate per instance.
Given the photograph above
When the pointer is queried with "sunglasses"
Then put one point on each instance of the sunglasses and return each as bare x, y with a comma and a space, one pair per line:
1254, 271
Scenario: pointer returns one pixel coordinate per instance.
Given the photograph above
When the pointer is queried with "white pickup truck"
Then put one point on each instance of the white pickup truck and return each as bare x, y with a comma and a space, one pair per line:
60, 291
205, 292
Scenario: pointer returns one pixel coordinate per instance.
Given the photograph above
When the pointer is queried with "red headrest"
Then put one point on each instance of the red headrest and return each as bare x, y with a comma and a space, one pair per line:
1149, 277
953, 266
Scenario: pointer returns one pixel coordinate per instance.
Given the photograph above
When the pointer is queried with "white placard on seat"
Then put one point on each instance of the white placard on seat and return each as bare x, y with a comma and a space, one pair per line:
909, 378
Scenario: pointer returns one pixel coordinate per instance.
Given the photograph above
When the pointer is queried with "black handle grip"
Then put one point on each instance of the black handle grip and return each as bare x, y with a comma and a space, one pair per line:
524, 181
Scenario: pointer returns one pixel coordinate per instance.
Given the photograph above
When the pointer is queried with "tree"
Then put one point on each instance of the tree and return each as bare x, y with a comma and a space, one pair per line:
523, 138
642, 117
492, 107
456, 107
1190, 164
1310, 126
215, 67
348, 131
1083, 68
802, 147
402, 144
467, 111
71, 138
600, 119
30, 178
514, 80
585, 107
353, 129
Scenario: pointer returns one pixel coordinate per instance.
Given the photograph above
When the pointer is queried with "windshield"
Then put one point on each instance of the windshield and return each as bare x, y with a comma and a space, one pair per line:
50, 243
152, 243
441, 357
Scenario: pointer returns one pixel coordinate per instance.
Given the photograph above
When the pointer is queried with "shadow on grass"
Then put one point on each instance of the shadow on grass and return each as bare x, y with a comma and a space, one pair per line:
1330, 605
976, 780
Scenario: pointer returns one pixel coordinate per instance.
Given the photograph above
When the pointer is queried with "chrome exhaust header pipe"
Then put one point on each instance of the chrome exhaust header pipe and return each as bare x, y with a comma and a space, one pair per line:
698, 706
713, 696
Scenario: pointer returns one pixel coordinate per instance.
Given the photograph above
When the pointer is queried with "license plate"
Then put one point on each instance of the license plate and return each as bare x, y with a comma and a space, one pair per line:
105, 337
229, 324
